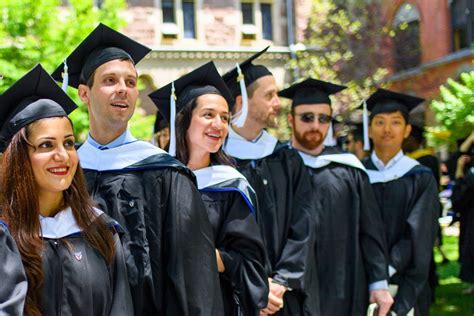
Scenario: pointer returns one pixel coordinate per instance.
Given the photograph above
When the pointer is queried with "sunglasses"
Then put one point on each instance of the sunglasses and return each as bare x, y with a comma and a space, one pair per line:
310, 117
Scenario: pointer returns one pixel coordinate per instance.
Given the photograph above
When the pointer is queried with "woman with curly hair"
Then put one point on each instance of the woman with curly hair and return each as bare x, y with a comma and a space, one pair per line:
70, 250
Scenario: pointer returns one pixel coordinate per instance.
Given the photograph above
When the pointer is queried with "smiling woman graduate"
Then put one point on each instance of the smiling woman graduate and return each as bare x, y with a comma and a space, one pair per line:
70, 250
202, 121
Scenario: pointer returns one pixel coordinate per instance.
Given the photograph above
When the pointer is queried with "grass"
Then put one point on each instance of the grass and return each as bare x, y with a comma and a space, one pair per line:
449, 298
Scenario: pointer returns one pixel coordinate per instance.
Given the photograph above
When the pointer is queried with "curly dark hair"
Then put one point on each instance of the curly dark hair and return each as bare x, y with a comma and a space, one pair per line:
19, 207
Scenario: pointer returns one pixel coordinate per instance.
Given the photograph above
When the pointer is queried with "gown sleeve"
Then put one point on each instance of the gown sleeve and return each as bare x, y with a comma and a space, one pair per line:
122, 303
13, 283
372, 238
412, 254
243, 254
462, 192
191, 277
292, 264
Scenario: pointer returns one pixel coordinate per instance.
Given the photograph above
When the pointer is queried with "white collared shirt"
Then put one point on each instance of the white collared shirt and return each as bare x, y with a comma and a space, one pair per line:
381, 166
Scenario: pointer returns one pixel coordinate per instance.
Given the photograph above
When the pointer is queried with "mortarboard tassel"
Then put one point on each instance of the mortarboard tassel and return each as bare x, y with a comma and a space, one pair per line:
65, 76
172, 147
365, 123
240, 117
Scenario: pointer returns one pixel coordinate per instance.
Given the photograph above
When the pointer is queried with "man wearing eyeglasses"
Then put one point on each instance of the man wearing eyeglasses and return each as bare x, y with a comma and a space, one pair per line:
350, 252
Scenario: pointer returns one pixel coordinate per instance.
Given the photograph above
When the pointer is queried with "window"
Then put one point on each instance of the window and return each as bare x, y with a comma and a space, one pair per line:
189, 22
407, 51
167, 9
267, 30
257, 20
247, 13
179, 19
462, 21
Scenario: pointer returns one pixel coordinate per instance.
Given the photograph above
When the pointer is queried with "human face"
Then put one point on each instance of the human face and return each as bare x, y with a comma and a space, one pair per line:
164, 137
52, 154
350, 143
111, 99
310, 123
209, 125
388, 130
264, 103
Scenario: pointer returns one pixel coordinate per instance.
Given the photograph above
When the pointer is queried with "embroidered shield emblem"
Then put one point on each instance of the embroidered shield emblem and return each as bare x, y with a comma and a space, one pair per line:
78, 255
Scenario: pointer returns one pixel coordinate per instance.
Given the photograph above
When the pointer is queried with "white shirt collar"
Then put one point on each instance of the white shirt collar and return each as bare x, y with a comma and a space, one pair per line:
381, 166
125, 138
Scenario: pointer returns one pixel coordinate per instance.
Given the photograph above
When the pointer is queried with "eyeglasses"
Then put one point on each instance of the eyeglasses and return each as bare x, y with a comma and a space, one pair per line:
310, 117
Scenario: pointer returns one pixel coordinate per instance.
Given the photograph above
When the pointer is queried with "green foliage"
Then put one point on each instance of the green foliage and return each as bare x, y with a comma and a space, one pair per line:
455, 111
343, 40
43, 31
449, 297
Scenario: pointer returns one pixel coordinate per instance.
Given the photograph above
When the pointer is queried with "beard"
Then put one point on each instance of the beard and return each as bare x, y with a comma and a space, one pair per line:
310, 140
272, 121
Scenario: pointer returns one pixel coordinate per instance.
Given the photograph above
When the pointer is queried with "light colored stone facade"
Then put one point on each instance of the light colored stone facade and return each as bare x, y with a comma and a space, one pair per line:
220, 35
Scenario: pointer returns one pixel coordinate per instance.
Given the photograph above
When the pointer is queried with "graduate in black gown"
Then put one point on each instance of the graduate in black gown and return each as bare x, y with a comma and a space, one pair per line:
281, 182
350, 252
168, 243
202, 121
463, 202
407, 195
14, 286
71, 251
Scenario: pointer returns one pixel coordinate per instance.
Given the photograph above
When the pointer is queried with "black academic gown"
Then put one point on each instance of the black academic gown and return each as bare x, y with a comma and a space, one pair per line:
78, 281
13, 284
463, 202
168, 245
244, 283
350, 251
283, 190
410, 207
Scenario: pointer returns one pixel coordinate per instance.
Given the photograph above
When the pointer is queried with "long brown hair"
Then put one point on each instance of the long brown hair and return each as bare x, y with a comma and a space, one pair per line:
183, 121
20, 209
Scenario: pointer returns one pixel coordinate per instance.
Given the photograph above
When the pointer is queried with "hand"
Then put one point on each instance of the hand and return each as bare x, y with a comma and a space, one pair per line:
275, 298
461, 163
220, 263
383, 299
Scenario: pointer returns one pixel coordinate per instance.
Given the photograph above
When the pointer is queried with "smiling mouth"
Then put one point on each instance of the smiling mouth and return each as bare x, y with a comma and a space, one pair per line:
214, 136
120, 105
60, 171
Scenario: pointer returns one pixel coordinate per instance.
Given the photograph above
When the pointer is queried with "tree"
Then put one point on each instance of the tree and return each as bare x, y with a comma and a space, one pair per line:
46, 31
455, 111
342, 45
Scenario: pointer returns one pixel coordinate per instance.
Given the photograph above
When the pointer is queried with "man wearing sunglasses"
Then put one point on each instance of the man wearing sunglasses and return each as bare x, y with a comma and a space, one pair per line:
278, 176
350, 253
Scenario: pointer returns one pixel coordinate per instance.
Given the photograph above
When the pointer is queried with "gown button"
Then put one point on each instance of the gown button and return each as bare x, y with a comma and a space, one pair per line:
131, 203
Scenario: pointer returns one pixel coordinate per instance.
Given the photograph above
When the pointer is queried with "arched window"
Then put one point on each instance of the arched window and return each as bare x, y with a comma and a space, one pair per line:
406, 25
462, 22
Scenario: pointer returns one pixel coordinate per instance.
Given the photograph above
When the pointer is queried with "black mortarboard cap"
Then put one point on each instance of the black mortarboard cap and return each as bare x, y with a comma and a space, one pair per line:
34, 96
203, 80
160, 122
102, 45
386, 101
310, 91
250, 71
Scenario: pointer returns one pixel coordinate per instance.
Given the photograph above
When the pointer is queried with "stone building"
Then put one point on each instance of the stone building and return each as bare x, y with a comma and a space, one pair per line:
434, 42
187, 33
